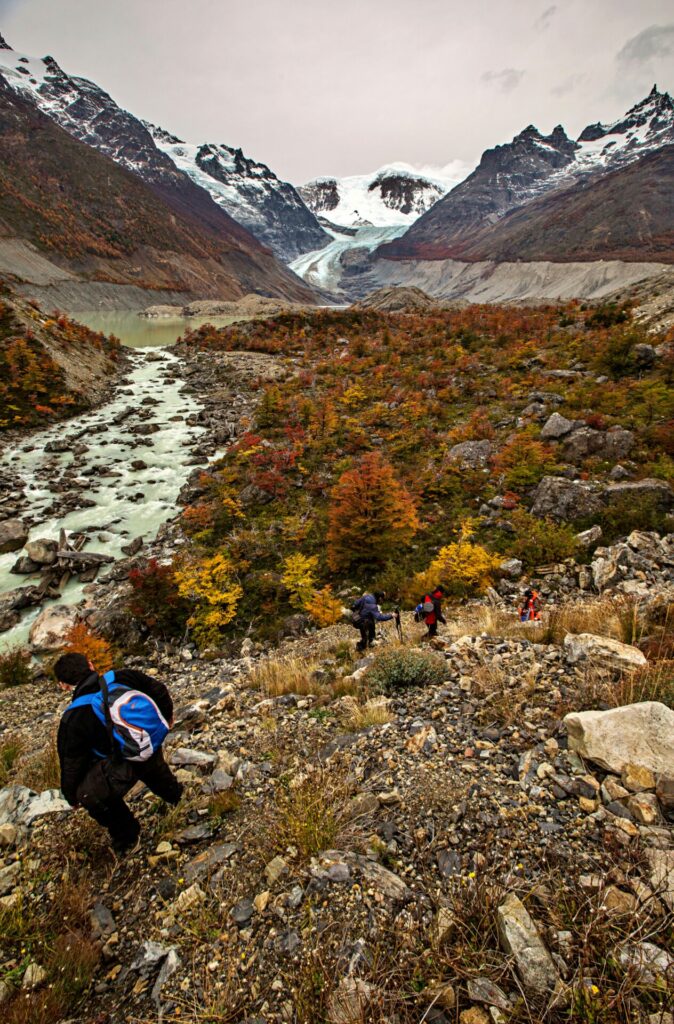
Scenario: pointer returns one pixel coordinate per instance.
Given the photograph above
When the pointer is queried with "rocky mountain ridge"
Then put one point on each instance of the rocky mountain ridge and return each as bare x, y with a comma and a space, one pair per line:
532, 165
249, 191
69, 214
90, 115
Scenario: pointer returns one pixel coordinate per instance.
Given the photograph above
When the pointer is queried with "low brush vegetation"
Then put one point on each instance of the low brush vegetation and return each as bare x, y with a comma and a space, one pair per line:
15, 667
347, 479
399, 667
34, 390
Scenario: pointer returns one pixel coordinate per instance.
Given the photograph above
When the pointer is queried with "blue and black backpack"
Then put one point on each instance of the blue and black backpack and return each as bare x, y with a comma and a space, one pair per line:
135, 724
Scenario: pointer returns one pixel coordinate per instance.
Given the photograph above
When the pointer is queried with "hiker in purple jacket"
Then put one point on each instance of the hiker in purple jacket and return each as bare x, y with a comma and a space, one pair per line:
367, 611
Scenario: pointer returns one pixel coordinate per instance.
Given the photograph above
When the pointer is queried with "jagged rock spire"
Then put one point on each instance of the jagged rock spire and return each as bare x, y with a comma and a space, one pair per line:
4, 45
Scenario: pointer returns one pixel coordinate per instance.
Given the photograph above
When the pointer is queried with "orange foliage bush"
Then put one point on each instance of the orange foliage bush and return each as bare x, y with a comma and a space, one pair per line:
371, 514
82, 640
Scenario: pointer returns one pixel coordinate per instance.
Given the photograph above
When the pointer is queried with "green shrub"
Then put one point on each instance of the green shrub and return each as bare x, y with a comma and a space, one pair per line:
399, 667
539, 541
632, 513
15, 668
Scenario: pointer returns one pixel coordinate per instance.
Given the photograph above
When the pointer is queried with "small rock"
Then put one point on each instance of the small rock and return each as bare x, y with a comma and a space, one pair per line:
644, 807
242, 912
185, 756
275, 868
637, 778
519, 938
34, 976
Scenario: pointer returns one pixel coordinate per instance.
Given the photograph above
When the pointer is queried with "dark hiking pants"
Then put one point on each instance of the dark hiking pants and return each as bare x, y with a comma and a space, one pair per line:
367, 633
105, 785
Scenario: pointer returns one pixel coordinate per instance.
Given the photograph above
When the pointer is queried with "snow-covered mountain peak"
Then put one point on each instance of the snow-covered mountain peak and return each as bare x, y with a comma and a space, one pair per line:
393, 195
646, 126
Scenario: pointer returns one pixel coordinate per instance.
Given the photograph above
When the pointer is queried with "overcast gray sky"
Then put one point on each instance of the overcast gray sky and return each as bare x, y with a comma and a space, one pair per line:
318, 87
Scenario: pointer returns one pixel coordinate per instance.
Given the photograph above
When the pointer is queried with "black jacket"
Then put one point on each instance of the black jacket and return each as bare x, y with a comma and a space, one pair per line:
80, 732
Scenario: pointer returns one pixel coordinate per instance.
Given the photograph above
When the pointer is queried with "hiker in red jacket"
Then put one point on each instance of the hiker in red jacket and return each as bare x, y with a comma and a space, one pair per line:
431, 610
530, 607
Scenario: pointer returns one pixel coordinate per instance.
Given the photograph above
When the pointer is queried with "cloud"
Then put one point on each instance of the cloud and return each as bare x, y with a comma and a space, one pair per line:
567, 85
654, 41
505, 80
546, 17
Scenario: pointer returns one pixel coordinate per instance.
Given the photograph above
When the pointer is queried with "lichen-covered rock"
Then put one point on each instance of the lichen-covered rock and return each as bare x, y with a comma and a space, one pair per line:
474, 454
640, 734
519, 938
566, 500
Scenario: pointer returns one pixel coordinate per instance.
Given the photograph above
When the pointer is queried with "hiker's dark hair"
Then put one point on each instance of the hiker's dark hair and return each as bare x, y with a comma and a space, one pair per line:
72, 669
439, 590
379, 595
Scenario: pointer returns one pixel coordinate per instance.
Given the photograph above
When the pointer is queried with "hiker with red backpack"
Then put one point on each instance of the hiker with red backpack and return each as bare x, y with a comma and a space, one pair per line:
429, 610
110, 737
529, 610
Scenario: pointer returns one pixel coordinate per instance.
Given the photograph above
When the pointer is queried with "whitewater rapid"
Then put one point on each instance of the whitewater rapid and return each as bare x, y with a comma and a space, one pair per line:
128, 502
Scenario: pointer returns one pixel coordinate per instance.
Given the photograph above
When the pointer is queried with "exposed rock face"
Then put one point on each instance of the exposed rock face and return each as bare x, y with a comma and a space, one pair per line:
13, 536
519, 937
506, 176
565, 499
602, 649
639, 734
51, 627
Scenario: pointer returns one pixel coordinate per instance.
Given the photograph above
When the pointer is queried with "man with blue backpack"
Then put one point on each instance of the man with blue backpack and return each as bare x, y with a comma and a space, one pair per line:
109, 738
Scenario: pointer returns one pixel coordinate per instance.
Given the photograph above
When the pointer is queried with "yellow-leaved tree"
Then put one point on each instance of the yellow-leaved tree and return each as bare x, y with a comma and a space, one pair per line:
371, 514
299, 577
324, 608
462, 567
211, 584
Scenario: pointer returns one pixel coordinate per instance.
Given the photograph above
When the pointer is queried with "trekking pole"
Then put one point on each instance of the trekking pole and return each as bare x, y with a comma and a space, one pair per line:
399, 626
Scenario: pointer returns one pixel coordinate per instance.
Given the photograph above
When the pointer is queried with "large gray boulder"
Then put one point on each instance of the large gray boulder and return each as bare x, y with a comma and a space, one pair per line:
556, 426
608, 444
50, 629
474, 454
565, 500
637, 734
602, 649
519, 938
13, 535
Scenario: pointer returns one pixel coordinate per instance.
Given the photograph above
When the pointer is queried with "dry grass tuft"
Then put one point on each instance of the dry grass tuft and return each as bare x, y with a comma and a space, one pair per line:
41, 770
362, 716
311, 815
277, 676
11, 749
